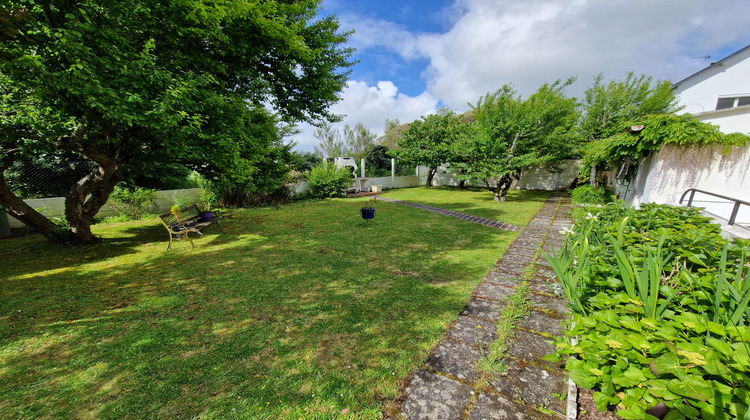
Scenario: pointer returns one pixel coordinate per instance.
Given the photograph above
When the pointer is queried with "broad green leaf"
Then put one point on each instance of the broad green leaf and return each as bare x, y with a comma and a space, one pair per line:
674, 415
635, 374
716, 368
719, 345
691, 387
688, 410
582, 378
658, 388
665, 364
631, 323
603, 400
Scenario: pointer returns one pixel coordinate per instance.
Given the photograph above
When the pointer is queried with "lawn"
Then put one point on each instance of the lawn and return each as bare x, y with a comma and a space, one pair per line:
474, 201
294, 312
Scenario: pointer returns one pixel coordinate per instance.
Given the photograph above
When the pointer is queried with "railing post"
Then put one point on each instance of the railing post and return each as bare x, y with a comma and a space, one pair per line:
735, 210
690, 200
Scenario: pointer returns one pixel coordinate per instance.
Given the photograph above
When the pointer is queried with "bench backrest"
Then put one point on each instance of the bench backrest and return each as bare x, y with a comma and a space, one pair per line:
186, 214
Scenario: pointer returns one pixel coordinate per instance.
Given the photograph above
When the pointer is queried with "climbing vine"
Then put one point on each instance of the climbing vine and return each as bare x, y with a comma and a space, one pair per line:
642, 138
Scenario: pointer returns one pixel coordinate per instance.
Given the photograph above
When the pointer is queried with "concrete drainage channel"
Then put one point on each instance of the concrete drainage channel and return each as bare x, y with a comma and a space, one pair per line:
450, 386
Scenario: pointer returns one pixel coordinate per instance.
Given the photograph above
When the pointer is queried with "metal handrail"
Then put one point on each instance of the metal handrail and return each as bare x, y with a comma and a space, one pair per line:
735, 210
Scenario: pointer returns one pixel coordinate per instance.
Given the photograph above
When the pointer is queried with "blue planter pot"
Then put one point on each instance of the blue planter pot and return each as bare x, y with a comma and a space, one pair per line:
368, 214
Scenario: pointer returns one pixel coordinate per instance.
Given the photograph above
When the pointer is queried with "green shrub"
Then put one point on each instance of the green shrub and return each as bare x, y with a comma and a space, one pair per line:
661, 312
326, 180
588, 194
134, 203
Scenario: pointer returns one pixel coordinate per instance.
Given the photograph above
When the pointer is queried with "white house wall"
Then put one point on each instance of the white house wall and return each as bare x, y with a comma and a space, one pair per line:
700, 92
674, 170
734, 120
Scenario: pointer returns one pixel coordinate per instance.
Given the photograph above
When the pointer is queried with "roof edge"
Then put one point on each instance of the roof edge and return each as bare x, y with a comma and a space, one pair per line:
711, 66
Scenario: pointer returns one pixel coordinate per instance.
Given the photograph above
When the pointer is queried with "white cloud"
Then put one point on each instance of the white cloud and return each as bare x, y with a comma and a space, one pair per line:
371, 106
528, 43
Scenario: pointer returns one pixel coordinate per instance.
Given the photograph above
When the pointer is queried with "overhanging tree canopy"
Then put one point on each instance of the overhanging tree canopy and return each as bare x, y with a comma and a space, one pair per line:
133, 84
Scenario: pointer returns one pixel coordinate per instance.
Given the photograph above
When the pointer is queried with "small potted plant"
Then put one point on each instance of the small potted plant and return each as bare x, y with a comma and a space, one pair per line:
206, 214
368, 209
209, 199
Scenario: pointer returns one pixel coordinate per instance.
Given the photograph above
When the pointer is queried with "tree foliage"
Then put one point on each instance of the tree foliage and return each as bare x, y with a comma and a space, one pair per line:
511, 134
353, 141
430, 142
134, 85
607, 106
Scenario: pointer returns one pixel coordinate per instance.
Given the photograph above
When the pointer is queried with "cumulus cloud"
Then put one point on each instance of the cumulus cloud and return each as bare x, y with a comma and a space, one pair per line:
528, 43
371, 106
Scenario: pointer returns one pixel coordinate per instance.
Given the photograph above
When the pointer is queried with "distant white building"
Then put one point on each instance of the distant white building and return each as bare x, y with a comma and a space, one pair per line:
720, 93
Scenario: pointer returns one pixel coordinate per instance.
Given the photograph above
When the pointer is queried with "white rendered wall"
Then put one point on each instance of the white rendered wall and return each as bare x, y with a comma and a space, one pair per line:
534, 178
735, 120
674, 170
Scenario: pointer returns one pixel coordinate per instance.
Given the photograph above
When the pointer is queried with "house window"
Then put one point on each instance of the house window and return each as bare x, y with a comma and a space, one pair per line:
731, 102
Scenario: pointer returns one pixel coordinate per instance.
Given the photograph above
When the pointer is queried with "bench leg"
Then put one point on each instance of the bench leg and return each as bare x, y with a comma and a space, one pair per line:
170, 242
191, 241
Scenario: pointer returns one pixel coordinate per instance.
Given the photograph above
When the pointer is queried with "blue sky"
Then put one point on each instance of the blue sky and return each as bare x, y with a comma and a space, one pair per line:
416, 55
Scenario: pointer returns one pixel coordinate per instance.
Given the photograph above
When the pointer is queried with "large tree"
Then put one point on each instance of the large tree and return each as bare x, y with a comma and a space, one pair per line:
429, 141
607, 105
132, 85
511, 133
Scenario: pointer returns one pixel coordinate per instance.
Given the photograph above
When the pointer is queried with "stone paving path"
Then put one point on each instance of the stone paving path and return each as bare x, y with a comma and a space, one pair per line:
446, 387
475, 219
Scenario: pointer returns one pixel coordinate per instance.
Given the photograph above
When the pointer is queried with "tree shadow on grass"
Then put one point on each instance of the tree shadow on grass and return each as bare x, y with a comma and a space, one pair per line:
297, 315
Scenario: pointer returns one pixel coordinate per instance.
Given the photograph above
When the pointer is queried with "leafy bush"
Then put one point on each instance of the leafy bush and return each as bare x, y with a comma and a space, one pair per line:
661, 311
588, 194
326, 180
133, 202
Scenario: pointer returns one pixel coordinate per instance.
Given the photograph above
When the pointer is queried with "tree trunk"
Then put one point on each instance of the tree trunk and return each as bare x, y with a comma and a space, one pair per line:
510, 183
462, 184
86, 197
592, 179
430, 174
22, 211
500, 189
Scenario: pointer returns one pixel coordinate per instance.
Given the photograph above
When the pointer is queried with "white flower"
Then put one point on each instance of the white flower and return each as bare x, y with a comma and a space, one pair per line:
567, 230
592, 217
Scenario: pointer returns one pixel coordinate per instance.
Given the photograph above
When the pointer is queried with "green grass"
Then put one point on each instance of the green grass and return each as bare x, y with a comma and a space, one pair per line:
295, 312
474, 201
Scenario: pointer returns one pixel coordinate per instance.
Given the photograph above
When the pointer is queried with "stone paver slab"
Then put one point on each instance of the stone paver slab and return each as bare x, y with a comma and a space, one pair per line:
510, 270
475, 332
532, 347
495, 407
552, 303
455, 359
533, 385
497, 291
431, 396
542, 322
483, 308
